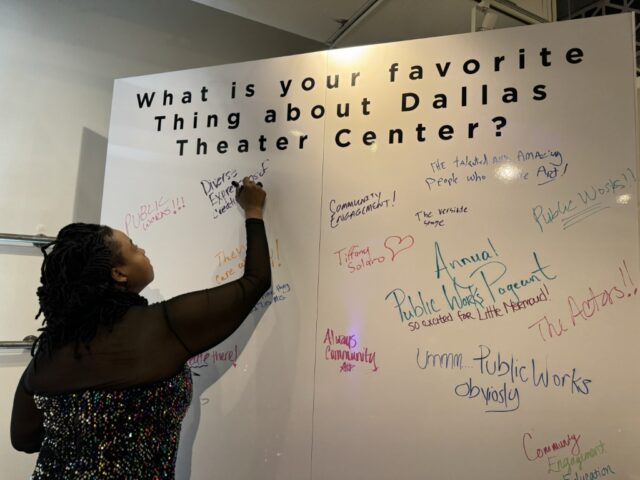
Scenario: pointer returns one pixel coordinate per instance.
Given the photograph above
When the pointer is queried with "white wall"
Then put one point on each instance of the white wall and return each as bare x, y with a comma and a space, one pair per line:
58, 60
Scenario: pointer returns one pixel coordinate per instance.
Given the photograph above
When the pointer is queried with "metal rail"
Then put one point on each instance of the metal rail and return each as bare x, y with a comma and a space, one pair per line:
350, 23
25, 344
11, 240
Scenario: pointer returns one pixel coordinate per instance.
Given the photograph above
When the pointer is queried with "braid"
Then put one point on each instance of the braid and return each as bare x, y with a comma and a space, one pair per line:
77, 293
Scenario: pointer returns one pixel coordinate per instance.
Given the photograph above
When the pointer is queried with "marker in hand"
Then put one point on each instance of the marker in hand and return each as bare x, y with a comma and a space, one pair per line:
236, 184
251, 199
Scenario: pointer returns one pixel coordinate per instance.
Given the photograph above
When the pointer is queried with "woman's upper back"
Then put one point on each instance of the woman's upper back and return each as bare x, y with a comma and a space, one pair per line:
139, 349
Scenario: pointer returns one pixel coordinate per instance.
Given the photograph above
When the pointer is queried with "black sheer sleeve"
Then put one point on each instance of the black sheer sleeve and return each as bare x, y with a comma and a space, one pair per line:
201, 320
27, 431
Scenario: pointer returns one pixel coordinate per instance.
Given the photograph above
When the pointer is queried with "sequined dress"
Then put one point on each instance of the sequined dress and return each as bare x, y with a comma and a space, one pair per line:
114, 434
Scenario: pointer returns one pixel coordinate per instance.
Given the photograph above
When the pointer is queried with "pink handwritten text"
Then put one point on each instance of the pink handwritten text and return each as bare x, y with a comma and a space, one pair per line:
344, 348
150, 213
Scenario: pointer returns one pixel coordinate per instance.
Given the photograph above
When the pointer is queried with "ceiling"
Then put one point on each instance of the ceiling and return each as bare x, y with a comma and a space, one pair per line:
379, 20
343, 23
347, 23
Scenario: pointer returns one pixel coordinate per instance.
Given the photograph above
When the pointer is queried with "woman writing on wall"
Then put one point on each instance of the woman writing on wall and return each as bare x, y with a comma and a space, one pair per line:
108, 387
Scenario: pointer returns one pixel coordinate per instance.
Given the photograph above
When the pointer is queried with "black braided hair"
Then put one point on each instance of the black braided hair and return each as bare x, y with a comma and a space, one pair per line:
78, 294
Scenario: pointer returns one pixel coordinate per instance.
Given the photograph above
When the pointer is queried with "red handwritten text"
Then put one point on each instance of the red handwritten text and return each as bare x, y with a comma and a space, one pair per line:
359, 257
571, 440
589, 306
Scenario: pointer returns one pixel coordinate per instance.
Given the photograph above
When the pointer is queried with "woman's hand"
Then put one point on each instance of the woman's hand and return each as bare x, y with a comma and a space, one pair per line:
251, 197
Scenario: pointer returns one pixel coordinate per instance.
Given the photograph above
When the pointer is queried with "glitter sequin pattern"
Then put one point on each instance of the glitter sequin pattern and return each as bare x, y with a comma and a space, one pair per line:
129, 434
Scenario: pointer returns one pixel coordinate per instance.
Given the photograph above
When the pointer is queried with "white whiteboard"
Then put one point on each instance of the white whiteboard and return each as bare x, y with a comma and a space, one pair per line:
498, 234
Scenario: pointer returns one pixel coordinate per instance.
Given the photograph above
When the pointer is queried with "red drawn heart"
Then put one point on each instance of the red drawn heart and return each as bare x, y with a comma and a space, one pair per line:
396, 244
